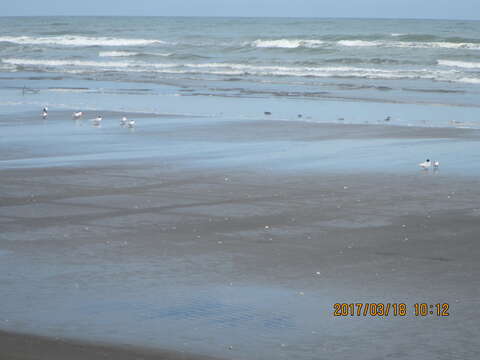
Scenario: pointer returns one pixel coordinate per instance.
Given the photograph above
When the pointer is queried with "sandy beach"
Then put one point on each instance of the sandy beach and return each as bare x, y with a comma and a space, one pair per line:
234, 238
27, 347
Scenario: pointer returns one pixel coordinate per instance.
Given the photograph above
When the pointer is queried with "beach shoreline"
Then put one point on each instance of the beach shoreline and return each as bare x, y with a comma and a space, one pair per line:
234, 238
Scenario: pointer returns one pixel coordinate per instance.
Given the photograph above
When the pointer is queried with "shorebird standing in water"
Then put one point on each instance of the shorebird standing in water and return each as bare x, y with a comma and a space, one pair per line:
124, 121
426, 164
45, 113
131, 124
97, 121
436, 164
77, 115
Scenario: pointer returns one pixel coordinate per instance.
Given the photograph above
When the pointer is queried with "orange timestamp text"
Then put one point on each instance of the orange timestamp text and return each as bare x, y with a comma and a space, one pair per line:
391, 309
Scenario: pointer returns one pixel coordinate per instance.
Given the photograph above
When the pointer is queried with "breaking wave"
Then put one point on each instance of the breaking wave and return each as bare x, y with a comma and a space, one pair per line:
409, 44
117, 53
77, 66
313, 44
287, 44
459, 64
130, 53
74, 40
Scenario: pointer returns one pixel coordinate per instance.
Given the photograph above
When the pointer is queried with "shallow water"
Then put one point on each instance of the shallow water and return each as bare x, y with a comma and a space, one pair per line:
222, 143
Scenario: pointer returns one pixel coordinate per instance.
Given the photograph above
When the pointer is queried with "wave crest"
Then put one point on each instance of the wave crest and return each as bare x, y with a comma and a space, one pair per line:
117, 53
459, 64
312, 44
130, 53
74, 40
287, 44
409, 44
238, 69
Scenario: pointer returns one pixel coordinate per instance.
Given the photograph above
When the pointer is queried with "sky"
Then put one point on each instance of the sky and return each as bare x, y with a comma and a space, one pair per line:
425, 9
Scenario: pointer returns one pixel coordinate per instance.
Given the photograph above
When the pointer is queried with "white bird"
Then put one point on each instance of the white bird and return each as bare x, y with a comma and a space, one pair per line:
436, 164
124, 121
426, 164
45, 112
131, 123
77, 115
97, 120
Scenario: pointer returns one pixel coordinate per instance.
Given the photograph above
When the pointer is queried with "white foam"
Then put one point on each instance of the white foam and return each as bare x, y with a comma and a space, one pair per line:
409, 44
159, 54
460, 64
450, 45
287, 43
74, 40
66, 90
85, 63
469, 80
79, 66
57, 63
128, 53
331, 71
308, 43
358, 43
117, 53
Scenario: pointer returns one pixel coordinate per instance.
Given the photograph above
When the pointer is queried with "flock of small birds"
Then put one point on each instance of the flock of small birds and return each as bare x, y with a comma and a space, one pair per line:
78, 115
427, 164
268, 113
125, 122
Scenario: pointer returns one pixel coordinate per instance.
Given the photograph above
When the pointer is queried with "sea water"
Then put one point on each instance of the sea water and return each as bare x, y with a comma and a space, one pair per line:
420, 72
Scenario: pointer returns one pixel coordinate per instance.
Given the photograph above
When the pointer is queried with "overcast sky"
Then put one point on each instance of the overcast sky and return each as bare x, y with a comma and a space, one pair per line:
444, 9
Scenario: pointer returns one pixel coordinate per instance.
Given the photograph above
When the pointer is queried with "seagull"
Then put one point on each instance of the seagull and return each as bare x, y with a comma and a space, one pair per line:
131, 123
45, 113
426, 164
436, 164
77, 115
97, 120
124, 121
388, 118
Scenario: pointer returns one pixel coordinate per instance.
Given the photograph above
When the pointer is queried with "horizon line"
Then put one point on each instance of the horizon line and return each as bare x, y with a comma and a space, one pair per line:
248, 17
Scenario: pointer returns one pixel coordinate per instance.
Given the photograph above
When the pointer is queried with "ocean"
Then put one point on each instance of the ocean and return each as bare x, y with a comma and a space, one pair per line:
288, 66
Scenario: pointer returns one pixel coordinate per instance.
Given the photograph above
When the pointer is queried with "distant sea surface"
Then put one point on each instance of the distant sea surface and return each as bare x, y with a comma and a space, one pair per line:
381, 61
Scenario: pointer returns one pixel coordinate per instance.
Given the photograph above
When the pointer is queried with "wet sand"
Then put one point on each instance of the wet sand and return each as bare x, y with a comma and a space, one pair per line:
28, 347
234, 239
